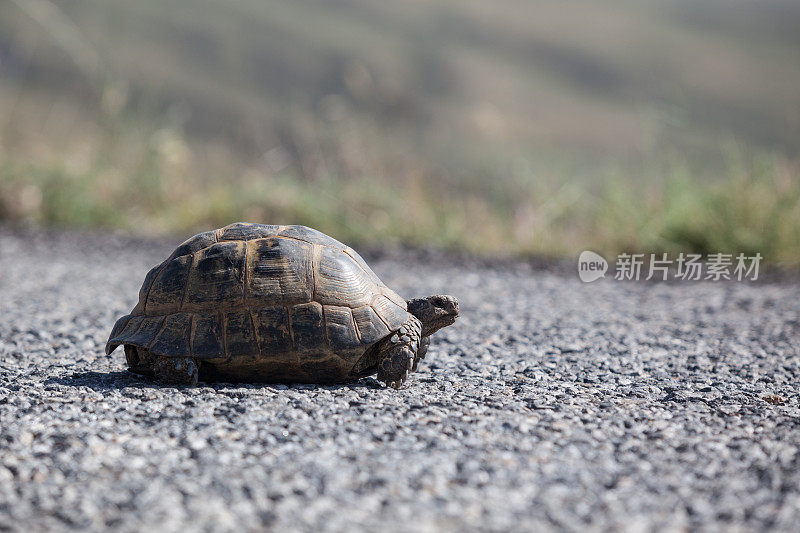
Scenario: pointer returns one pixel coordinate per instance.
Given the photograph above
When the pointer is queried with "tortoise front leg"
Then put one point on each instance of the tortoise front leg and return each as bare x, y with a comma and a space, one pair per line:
395, 365
400, 353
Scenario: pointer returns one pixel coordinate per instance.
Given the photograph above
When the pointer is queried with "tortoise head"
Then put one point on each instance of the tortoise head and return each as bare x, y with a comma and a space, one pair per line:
435, 312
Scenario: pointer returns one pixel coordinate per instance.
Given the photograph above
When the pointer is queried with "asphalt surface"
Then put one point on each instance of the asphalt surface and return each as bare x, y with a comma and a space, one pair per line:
551, 404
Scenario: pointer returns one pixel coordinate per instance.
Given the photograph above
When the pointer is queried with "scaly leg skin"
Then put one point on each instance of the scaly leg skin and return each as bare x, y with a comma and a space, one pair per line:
140, 361
132, 356
176, 370
421, 351
400, 353
395, 365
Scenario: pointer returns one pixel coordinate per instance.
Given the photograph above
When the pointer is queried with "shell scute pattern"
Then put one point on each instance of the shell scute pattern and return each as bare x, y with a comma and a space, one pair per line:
172, 337
341, 282
279, 272
394, 297
341, 328
243, 231
147, 331
309, 235
207, 341
369, 325
216, 277
240, 337
166, 292
308, 327
391, 313
263, 294
145, 290
273, 330
125, 325
195, 244
363, 265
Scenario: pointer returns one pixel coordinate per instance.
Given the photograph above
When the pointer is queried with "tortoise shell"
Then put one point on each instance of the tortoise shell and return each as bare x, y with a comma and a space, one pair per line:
254, 300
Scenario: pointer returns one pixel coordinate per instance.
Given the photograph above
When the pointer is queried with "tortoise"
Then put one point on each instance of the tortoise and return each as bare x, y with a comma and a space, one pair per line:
282, 304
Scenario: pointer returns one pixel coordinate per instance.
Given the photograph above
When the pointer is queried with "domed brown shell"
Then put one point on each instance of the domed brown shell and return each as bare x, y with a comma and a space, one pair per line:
261, 297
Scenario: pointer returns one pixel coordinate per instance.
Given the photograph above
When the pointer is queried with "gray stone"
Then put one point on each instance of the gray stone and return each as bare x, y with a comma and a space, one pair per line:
550, 404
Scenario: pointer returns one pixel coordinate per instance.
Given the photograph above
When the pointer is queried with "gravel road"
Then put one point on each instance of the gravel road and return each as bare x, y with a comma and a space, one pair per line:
551, 404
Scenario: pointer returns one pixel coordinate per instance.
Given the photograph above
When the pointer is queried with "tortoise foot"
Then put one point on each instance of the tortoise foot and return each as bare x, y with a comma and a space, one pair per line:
395, 366
177, 370
140, 361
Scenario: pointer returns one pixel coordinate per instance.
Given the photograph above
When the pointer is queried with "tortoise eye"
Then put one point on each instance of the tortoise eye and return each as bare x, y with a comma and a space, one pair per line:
442, 301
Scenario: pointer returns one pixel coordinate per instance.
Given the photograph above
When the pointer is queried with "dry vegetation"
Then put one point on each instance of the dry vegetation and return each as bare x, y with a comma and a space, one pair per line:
537, 128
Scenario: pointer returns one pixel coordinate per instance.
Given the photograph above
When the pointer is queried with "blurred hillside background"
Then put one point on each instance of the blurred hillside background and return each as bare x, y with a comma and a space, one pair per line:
514, 126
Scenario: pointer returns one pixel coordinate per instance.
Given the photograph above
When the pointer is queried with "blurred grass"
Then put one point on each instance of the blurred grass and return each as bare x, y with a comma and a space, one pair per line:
534, 128
159, 185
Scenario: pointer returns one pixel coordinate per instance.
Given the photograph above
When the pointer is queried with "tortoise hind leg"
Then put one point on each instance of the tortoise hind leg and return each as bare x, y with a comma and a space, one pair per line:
132, 356
139, 360
176, 370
